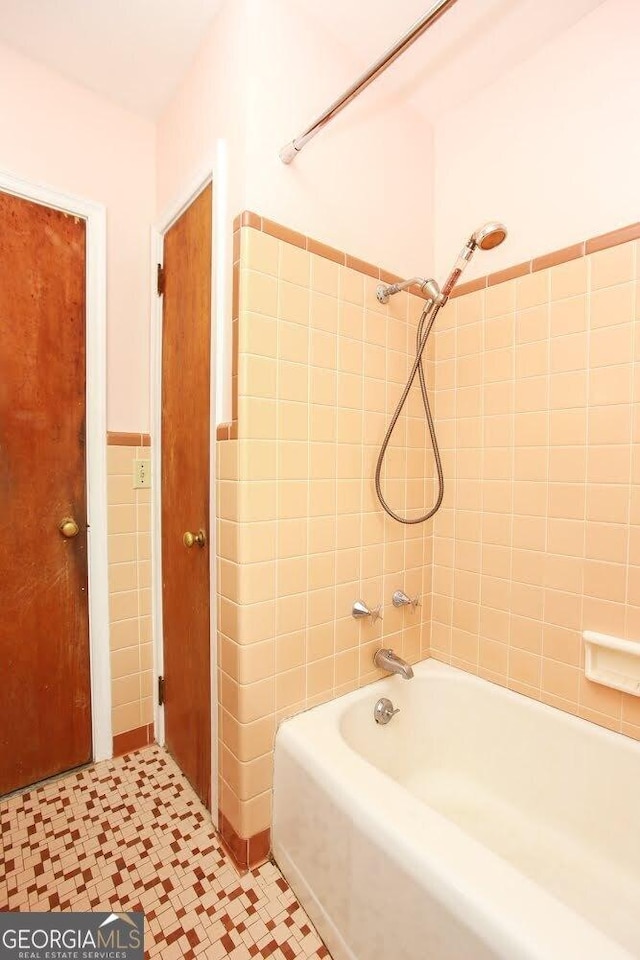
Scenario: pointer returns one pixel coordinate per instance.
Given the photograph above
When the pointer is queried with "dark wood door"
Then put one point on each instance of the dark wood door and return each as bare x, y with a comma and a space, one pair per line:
185, 491
45, 707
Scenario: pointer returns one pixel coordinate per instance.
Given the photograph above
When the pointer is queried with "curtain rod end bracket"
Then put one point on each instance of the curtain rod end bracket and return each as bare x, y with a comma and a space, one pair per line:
288, 153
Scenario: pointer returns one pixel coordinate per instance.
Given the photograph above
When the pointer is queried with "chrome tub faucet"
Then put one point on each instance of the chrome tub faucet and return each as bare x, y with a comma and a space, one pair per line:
387, 660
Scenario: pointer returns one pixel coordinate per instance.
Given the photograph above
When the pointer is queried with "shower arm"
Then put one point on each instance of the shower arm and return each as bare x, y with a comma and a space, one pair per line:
290, 151
428, 287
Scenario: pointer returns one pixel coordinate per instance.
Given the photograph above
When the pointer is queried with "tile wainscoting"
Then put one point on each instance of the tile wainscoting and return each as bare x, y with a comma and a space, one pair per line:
537, 406
538, 412
129, 594
319, 367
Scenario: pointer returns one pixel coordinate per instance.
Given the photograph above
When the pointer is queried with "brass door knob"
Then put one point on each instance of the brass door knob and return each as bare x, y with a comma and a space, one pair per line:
68, 527
194, 539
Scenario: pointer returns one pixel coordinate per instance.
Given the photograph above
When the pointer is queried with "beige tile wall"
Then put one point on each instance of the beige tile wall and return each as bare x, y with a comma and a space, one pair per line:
129, 591
538, 410
301, 536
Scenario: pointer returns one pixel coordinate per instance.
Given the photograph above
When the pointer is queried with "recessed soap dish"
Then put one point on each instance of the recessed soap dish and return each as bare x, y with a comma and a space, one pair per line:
612, 662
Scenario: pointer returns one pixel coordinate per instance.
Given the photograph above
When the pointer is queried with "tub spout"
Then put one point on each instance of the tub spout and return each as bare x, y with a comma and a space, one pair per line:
387, 660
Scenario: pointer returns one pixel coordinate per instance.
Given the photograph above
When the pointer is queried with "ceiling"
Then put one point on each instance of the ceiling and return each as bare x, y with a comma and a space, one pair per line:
135, 51
132, 51
473, 44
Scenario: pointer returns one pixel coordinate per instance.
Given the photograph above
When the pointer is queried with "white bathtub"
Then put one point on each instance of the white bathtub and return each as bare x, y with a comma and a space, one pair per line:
476, 824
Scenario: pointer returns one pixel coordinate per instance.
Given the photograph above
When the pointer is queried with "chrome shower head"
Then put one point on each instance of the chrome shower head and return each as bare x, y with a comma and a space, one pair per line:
489, 235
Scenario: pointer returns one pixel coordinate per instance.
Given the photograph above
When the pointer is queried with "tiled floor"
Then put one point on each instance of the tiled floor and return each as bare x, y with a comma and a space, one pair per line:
130, 834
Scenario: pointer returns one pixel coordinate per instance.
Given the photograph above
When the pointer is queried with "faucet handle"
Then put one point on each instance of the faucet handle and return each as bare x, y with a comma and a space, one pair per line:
360, 610
376, 613
400, 599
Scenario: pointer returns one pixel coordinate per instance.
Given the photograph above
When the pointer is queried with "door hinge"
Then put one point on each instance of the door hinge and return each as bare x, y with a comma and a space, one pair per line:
160, 690
161, 280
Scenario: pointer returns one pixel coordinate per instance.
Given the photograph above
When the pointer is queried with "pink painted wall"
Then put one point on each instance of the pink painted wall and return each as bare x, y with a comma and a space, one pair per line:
553, 149
207, 110
209, 105
364, 184
262, 73
61, 135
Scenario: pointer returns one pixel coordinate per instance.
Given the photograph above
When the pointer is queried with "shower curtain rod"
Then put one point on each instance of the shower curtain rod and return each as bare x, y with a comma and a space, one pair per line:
294, 147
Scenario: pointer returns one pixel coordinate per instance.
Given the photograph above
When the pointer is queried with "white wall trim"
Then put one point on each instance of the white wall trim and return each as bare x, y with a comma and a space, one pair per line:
96, 437
157, 238
155, 384
222, 258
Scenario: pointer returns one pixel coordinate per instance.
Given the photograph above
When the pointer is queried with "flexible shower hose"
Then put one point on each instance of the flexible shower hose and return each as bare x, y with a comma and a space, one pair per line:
429, 314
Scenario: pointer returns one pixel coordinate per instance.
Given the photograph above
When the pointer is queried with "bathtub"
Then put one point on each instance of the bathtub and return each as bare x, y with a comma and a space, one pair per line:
476, 824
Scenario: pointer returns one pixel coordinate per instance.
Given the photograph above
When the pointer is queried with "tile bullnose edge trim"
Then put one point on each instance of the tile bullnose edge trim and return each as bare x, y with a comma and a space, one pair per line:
119, 438
246, 854
552, 259
227, 431
131, 740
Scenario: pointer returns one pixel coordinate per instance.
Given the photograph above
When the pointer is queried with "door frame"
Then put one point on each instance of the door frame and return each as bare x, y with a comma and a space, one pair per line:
213, 177
95, 216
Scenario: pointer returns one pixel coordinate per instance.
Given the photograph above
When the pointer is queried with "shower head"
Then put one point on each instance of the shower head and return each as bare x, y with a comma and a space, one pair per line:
489, 235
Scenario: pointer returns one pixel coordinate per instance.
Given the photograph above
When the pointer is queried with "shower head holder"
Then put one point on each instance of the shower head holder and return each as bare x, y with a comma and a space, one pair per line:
429, 287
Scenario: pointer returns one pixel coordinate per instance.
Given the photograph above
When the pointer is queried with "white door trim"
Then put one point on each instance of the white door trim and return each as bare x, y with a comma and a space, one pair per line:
96, 438
157, 240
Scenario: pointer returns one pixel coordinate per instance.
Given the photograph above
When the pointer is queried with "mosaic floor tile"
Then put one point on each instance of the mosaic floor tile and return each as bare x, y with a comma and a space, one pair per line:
130, 834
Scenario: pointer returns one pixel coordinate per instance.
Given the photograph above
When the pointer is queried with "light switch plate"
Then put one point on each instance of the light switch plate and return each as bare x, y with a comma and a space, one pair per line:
141, 474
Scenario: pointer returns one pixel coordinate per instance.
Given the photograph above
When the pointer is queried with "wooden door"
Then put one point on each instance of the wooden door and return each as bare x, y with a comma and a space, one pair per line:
185, 491
45, 707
